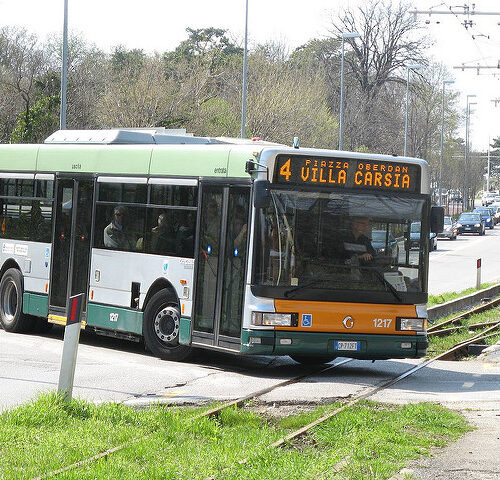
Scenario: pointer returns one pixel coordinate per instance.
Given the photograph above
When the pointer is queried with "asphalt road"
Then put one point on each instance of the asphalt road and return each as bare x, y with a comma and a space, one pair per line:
453, 265
120, 371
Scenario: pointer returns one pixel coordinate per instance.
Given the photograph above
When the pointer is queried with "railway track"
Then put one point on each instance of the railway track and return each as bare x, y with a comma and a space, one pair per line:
491, 330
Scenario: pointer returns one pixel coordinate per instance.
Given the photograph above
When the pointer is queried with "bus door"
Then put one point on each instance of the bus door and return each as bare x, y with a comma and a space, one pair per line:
70, 244
221, 265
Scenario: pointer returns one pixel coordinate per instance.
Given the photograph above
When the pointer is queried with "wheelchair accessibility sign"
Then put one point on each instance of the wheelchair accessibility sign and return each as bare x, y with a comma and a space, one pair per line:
307, 320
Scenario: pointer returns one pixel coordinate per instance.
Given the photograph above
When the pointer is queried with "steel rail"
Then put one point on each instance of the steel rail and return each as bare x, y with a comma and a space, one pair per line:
239, 401
468, 313
383, 386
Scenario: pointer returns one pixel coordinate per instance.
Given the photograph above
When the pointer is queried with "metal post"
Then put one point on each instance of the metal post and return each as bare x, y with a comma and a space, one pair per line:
488, 171
467, 152
64, 69
408, 68
406, 108
244, 93
70, 347
478, 274
440, 185
341, 116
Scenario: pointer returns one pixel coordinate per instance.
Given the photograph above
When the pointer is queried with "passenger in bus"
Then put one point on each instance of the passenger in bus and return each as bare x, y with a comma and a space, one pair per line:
163, 236
184, 238
356, 246
115, 234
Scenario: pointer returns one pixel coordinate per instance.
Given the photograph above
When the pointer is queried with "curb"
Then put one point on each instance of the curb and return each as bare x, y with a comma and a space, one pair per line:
462, 303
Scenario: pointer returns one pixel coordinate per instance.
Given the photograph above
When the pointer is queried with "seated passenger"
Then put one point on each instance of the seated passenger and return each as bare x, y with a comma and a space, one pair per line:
115, 234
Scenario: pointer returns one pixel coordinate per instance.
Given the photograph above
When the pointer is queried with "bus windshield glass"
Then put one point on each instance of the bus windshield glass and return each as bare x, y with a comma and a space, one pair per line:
327, 246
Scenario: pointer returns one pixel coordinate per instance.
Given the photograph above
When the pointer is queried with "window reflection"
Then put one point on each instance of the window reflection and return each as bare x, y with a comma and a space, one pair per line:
357, 242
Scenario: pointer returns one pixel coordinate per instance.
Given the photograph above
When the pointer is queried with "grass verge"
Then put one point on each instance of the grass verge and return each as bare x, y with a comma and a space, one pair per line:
446, 297
377, 440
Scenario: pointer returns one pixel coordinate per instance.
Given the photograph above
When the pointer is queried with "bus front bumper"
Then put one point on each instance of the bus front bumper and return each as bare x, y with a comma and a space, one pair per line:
370, 347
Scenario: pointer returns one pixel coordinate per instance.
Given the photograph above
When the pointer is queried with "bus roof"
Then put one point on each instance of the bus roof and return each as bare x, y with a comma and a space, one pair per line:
155, 151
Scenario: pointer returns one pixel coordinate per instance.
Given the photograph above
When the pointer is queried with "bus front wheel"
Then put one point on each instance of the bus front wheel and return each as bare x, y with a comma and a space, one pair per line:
161, 327
11, 303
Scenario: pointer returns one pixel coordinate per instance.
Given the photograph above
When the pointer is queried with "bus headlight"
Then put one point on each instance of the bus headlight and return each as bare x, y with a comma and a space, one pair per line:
411, 324
275, 319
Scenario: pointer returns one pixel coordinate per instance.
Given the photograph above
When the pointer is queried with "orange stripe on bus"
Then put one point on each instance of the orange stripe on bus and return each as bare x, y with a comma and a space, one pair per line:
330, 316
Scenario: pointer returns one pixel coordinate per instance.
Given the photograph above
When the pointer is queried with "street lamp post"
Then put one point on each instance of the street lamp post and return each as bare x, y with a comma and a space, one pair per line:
408, 68
244, 90
445, 82
467, 149
64, 69
341, 116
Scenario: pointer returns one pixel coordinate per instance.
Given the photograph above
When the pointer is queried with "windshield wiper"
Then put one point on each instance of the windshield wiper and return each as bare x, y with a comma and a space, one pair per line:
300, 287
386, 283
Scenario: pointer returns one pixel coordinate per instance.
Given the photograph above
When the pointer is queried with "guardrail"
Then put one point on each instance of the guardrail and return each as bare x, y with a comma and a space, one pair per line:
462, 303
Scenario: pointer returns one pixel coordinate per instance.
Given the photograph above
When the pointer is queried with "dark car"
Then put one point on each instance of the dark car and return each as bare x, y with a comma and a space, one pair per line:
415, 237
384, 243
469, 222
487, 216
450, 229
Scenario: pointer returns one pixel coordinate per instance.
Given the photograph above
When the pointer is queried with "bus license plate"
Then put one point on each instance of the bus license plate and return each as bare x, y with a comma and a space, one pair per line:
350, 346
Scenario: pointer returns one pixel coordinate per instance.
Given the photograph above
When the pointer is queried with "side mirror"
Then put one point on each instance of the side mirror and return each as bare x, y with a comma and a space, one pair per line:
261, 193
437, 219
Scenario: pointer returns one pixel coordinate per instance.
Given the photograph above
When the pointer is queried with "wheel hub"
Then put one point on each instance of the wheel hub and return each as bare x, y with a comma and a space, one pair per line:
9, 301
167, 324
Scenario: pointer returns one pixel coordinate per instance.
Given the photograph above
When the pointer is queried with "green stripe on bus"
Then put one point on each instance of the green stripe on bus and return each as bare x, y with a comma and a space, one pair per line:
114, 318
35, 304
185, 331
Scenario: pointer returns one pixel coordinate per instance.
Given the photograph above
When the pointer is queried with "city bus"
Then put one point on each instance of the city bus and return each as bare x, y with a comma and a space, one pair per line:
236, 245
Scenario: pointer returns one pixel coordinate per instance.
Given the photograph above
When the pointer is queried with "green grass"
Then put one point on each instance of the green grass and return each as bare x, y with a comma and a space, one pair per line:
441, 344
376, 439
446, 297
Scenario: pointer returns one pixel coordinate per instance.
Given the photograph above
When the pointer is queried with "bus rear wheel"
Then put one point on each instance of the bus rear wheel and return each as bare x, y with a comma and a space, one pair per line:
161, 327
11, 303
311, 360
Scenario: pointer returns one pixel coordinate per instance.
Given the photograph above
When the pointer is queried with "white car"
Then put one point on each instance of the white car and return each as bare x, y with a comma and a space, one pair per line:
488, 198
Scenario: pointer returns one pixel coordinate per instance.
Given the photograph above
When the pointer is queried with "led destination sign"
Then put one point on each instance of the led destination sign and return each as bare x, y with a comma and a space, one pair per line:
347, 173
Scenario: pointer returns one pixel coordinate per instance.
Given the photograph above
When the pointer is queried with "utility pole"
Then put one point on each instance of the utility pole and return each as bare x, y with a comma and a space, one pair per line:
64, 69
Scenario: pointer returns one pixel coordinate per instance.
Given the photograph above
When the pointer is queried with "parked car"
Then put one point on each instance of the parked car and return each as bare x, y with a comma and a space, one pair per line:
450, 229
486, 215
384, 243
496, 215
488, 197
469, 222
415, 237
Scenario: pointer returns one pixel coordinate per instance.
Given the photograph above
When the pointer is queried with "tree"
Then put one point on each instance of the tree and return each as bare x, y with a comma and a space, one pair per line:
388, 41
22, 61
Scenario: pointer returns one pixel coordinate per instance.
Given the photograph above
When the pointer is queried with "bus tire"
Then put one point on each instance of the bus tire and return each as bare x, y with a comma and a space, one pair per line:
11, 303
160, 327
311, 360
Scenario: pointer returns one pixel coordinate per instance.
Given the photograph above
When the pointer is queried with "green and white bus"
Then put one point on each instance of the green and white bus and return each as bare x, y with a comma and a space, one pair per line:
228, 244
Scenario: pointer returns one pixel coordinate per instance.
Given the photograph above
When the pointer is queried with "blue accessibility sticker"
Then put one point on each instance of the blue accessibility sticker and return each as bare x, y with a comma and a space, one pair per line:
307, 320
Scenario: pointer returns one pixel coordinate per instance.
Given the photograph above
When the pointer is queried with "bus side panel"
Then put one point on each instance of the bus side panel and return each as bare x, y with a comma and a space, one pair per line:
33, 259
113, 272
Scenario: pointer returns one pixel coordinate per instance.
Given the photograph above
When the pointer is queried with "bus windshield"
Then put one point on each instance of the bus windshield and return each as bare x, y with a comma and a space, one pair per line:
340, 246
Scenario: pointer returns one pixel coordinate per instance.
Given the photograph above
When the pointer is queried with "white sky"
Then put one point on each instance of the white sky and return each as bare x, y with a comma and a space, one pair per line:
159, 25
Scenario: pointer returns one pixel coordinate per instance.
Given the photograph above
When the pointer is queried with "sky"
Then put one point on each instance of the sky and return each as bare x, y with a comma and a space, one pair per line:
160, 25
